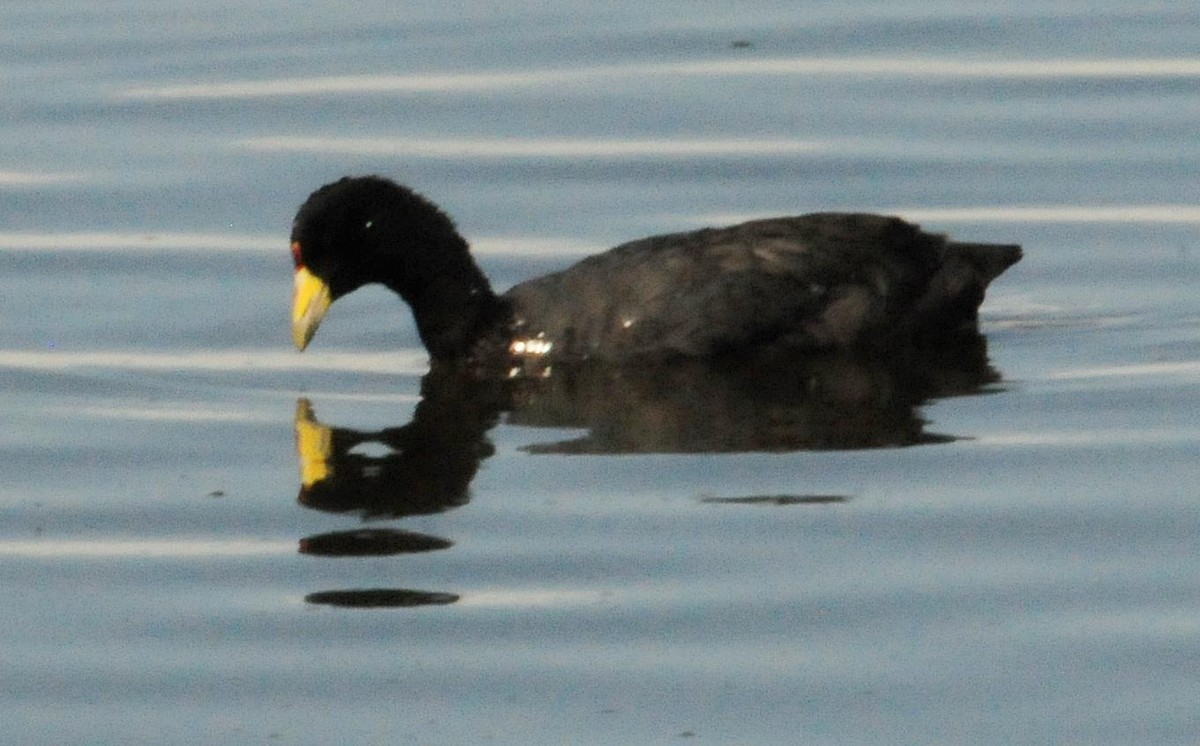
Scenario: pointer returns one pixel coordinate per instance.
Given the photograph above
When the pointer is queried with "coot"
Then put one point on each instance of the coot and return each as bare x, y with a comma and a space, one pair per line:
843, 282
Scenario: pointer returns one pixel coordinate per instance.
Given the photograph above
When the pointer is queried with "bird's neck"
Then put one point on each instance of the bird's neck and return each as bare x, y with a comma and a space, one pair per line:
453, 312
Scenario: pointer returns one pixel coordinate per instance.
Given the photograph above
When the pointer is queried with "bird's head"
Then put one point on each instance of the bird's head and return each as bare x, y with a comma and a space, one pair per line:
362, 230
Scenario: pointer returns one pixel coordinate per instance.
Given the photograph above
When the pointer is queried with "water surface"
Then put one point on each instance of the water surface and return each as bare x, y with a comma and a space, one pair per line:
1029, 577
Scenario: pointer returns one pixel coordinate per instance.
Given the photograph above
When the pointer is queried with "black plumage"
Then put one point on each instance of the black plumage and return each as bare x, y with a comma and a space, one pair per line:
821, 282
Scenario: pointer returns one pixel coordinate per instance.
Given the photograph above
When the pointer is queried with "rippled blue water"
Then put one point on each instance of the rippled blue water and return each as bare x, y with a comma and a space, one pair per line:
1033, 581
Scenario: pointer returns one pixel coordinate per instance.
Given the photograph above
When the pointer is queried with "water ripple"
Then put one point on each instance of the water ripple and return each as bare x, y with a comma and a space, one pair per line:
400, 362
874, 67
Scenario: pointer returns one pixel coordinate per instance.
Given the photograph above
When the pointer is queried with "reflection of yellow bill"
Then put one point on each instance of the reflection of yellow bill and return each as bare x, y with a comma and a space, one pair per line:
314, 445
309, 305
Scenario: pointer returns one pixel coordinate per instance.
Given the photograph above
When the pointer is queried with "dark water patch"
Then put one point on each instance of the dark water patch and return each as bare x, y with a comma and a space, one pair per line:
777, 500
380, 598
371, 543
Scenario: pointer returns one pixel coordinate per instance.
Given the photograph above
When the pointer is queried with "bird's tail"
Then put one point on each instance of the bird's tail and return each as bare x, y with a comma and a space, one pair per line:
988, 259
950, 303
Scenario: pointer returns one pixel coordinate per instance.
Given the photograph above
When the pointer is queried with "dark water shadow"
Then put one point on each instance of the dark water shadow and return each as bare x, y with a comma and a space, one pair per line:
380, 598
777, 500
762, 404
371, 542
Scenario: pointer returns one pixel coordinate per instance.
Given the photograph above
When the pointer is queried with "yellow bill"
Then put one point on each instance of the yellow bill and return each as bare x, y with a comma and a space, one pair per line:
311, 301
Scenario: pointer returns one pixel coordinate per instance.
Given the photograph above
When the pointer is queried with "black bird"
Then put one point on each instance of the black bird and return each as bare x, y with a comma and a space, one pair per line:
825, 282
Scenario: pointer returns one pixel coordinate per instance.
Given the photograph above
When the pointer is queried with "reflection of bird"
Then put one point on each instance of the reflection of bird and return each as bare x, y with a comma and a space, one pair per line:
426, 466
842, 282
